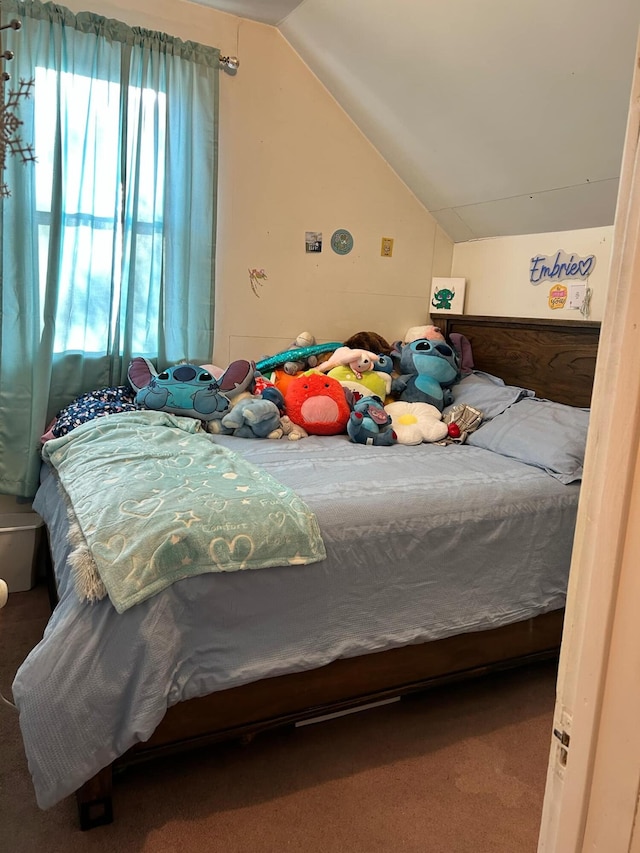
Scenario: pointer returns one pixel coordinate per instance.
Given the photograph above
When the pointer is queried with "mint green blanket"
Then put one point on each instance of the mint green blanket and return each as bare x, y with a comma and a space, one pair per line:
152, 500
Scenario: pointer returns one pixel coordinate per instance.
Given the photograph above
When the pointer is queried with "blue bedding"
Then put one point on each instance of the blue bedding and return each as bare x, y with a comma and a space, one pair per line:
422, 543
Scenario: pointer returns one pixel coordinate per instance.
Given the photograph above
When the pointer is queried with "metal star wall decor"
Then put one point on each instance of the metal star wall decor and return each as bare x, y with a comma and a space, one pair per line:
10, 141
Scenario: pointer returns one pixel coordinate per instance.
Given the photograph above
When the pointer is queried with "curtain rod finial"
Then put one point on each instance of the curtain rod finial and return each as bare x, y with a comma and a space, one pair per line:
230, 63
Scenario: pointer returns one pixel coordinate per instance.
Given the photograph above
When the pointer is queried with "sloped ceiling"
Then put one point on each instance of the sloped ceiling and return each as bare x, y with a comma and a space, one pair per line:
502, 117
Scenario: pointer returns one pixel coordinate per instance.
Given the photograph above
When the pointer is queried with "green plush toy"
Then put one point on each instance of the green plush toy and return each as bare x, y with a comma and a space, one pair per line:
373, 382
295, 354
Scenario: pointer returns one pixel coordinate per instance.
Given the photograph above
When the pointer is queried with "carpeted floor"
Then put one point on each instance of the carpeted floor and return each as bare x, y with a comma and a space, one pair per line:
459, 769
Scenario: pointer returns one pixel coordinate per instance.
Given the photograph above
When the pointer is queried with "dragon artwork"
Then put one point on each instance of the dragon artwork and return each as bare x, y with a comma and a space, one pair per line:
442, 299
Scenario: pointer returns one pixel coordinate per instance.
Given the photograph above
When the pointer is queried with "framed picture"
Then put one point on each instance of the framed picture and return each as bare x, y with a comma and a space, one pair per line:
313, 241
447, 295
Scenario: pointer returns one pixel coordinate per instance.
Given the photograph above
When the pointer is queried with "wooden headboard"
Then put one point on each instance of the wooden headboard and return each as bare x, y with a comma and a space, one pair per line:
555, 358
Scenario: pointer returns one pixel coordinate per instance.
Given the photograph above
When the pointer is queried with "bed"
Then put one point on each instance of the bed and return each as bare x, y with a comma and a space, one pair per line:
442, 562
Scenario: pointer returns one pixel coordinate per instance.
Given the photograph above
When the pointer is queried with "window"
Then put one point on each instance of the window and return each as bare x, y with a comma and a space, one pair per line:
108, 240
93, 214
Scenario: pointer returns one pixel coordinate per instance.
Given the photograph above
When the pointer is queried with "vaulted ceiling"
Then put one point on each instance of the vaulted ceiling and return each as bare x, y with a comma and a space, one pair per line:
502, 117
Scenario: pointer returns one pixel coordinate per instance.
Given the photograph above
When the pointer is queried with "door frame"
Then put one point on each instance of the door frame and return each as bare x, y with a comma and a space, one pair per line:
593, 778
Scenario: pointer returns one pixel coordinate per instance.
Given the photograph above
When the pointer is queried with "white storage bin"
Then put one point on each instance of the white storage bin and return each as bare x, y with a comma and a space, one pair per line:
19, 532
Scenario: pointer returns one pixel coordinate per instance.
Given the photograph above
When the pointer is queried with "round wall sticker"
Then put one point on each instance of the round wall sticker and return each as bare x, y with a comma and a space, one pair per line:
341, 242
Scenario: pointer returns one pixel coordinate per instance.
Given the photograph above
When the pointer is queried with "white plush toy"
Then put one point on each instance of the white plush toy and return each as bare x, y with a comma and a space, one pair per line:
359, 360
416, 333
414, 423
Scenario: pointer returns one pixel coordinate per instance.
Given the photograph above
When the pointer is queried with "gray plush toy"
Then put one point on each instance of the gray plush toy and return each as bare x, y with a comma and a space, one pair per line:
252, 417
293, 366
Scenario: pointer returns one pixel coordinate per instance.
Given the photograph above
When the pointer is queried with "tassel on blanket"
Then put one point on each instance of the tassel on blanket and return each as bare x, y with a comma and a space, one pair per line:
87, 582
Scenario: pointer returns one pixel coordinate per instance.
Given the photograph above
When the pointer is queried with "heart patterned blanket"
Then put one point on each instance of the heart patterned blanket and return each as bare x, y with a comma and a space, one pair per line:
152, 500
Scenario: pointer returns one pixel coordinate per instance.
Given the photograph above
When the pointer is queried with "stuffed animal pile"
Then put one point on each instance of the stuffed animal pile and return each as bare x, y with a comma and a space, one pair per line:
389, 394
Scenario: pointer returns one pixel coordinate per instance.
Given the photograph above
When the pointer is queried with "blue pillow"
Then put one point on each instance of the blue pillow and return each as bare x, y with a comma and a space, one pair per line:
487, 393
542, 433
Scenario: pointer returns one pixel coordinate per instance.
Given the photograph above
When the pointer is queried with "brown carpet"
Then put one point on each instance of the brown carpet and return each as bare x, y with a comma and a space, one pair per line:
459, 769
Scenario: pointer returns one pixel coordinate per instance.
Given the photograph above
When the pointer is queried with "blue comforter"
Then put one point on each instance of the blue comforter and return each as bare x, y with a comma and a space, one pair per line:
422, 543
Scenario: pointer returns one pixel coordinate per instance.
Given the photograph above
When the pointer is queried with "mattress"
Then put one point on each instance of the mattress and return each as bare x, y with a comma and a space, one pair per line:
422, 542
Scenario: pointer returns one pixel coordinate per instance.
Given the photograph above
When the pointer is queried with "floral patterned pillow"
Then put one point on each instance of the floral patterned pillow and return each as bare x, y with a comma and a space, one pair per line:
93, 404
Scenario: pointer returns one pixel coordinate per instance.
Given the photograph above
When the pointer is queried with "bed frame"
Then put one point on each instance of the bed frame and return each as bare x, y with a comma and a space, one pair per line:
557, 359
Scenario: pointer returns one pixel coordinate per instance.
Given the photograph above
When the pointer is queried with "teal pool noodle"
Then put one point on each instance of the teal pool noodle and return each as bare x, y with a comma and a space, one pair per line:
295, 355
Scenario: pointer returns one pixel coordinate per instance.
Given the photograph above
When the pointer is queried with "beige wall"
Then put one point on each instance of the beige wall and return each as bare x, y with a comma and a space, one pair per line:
292, 161
497, 272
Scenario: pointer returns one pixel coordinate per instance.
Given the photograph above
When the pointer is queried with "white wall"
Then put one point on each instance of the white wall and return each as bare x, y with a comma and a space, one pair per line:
497, 272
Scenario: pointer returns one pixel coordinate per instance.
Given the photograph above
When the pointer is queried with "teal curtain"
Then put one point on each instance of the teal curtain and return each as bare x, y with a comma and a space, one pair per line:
108, 239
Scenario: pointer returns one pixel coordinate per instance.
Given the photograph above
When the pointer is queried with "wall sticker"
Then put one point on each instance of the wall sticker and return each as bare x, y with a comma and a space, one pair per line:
558, 296
256, 277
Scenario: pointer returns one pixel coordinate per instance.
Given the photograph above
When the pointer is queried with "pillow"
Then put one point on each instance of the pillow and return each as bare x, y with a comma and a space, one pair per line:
189, 390
539, 432
86, 407
487, 393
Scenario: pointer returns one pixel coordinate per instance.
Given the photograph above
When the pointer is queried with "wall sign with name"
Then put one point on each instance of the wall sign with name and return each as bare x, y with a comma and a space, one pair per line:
560, 266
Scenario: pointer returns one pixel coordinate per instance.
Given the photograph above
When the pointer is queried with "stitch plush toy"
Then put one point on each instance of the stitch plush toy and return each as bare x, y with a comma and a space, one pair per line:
187, 389
369, 423
427, 369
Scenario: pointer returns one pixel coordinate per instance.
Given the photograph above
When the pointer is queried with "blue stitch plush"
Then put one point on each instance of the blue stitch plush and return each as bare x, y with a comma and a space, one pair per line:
427, 369
188, 389
369, 423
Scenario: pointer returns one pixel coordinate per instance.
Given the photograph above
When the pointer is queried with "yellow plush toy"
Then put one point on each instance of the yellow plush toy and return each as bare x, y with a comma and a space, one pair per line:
372, 382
